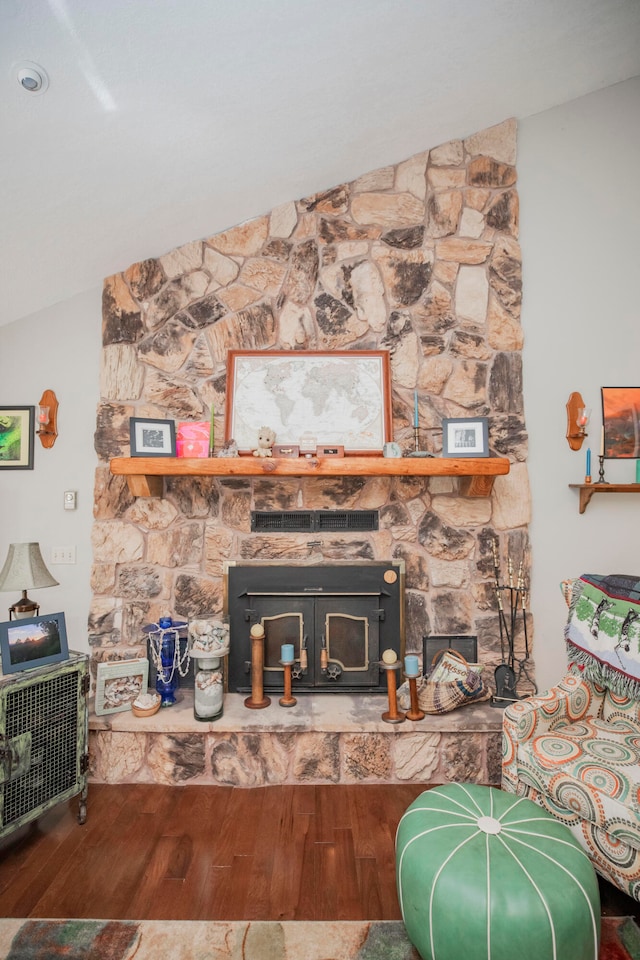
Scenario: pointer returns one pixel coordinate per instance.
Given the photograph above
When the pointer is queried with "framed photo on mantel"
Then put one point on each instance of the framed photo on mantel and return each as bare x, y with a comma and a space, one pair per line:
152, 438
465, 437
341, 398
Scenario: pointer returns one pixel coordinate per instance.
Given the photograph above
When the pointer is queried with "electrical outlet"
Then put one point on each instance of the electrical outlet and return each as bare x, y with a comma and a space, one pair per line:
63, 555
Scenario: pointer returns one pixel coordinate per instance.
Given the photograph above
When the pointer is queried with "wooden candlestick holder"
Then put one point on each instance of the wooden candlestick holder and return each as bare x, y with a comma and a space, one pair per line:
393, 715
287, 700
414, 712
257, 700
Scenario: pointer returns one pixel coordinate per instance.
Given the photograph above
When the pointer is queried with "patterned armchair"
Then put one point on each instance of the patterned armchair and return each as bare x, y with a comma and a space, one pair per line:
576, 749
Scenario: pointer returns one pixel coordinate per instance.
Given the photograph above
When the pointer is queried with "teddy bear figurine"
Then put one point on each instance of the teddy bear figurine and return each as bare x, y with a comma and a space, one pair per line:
266, 438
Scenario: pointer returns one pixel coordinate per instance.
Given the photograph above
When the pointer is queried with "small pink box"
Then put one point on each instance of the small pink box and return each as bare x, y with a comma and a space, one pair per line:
192, 439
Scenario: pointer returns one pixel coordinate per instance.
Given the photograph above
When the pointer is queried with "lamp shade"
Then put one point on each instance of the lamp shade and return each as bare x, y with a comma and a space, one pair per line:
24, 568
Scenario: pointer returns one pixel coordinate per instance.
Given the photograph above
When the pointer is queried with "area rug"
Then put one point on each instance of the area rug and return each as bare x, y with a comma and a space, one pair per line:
242, 940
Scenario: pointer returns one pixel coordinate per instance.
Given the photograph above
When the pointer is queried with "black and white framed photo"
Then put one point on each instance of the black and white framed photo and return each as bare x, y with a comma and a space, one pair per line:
33, 642
152, 438
465, 437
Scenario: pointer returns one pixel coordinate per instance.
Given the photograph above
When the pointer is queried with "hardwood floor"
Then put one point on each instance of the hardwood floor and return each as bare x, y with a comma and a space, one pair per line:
210, 853
218, 853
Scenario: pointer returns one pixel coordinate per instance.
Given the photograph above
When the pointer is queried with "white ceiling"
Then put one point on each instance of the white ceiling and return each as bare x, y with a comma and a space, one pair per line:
168, 120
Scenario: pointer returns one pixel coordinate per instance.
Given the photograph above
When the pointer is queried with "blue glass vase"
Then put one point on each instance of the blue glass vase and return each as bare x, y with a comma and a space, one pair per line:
167, 679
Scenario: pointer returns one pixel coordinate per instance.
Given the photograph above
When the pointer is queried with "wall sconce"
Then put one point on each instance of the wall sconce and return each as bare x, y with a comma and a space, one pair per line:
48, 418
578, 417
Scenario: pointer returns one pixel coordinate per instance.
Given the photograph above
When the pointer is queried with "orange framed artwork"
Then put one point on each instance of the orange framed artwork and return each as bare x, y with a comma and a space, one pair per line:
621, 422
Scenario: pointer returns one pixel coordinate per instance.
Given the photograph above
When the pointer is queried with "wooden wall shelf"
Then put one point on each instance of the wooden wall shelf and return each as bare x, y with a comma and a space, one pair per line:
587, 490
144, 474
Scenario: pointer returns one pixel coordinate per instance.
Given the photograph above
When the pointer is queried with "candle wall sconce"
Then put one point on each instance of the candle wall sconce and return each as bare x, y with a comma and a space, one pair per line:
48, 418
577, 420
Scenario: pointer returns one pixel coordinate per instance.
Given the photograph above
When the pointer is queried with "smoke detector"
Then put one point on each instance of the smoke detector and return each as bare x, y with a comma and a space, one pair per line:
32, 78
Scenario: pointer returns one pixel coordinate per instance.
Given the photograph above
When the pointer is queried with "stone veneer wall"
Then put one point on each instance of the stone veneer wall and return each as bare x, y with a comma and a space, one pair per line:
421, 258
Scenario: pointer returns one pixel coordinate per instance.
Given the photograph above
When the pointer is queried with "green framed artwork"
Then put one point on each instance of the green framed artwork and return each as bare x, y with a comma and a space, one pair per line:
16, 438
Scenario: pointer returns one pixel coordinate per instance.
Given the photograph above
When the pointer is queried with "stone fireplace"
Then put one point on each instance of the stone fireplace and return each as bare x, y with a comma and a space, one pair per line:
340, 617
420, 258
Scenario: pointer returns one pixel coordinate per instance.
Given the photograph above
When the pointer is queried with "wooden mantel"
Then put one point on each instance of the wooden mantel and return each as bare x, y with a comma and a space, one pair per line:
144, 474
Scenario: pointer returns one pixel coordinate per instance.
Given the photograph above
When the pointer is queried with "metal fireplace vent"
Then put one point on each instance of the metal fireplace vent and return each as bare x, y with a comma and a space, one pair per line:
309, 521
346, 519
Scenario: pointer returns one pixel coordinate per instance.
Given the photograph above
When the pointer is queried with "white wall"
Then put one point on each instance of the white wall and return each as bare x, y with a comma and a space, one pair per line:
57, 349
579, 185
580, 211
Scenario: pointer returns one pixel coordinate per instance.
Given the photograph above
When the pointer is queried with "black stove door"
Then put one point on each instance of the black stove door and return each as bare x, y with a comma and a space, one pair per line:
347, 642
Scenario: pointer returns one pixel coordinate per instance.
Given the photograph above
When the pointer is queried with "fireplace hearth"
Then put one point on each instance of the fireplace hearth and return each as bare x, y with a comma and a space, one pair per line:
339, 617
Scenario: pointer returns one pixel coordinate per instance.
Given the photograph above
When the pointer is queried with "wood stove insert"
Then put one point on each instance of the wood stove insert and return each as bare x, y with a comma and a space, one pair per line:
339, 617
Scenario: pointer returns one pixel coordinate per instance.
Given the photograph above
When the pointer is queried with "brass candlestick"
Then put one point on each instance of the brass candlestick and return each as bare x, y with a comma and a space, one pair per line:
392, 715
257, 700
417, 452
287, 700
414, 712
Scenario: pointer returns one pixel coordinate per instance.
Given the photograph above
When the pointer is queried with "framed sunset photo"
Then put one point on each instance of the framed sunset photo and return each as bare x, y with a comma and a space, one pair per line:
621, 422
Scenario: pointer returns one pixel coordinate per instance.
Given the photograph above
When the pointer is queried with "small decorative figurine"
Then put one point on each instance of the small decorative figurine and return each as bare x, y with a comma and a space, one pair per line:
230, 449
266, 438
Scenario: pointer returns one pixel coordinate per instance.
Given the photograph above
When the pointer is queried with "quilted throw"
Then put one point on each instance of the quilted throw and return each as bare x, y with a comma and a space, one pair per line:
603, 631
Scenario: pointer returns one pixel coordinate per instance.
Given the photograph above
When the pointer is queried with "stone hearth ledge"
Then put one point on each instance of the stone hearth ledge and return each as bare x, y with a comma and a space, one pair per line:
333, 738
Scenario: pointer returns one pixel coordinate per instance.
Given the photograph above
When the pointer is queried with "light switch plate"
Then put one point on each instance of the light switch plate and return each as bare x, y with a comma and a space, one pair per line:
63, 555
70, 499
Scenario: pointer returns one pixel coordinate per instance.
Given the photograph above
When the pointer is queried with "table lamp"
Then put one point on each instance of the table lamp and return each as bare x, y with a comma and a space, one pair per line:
24, 569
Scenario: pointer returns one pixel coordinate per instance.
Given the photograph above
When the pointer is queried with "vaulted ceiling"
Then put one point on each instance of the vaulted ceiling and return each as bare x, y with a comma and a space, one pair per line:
168, 120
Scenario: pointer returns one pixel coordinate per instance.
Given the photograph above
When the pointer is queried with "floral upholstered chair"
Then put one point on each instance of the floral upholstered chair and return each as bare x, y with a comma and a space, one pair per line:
576, 749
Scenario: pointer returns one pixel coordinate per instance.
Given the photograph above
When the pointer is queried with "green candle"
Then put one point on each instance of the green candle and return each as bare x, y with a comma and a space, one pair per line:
211, 433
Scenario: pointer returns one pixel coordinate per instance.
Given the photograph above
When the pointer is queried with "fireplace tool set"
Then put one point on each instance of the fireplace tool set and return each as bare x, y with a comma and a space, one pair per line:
505, 674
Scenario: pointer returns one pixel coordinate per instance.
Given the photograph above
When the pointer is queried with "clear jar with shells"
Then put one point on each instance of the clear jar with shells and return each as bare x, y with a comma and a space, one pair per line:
208, 645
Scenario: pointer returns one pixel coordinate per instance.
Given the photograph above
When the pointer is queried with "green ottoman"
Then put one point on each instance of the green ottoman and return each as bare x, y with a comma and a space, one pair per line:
486, 875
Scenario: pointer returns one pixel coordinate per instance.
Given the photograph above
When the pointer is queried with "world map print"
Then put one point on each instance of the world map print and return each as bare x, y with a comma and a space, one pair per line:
339, 400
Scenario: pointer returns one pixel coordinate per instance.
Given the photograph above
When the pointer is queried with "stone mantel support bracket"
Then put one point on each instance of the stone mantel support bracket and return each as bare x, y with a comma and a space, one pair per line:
144, 474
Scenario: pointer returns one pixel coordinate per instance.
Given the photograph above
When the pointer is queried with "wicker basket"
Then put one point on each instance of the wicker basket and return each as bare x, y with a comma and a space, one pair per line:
463, 684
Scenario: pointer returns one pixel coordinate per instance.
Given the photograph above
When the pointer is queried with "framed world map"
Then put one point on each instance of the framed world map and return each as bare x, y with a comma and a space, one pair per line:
340, 398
